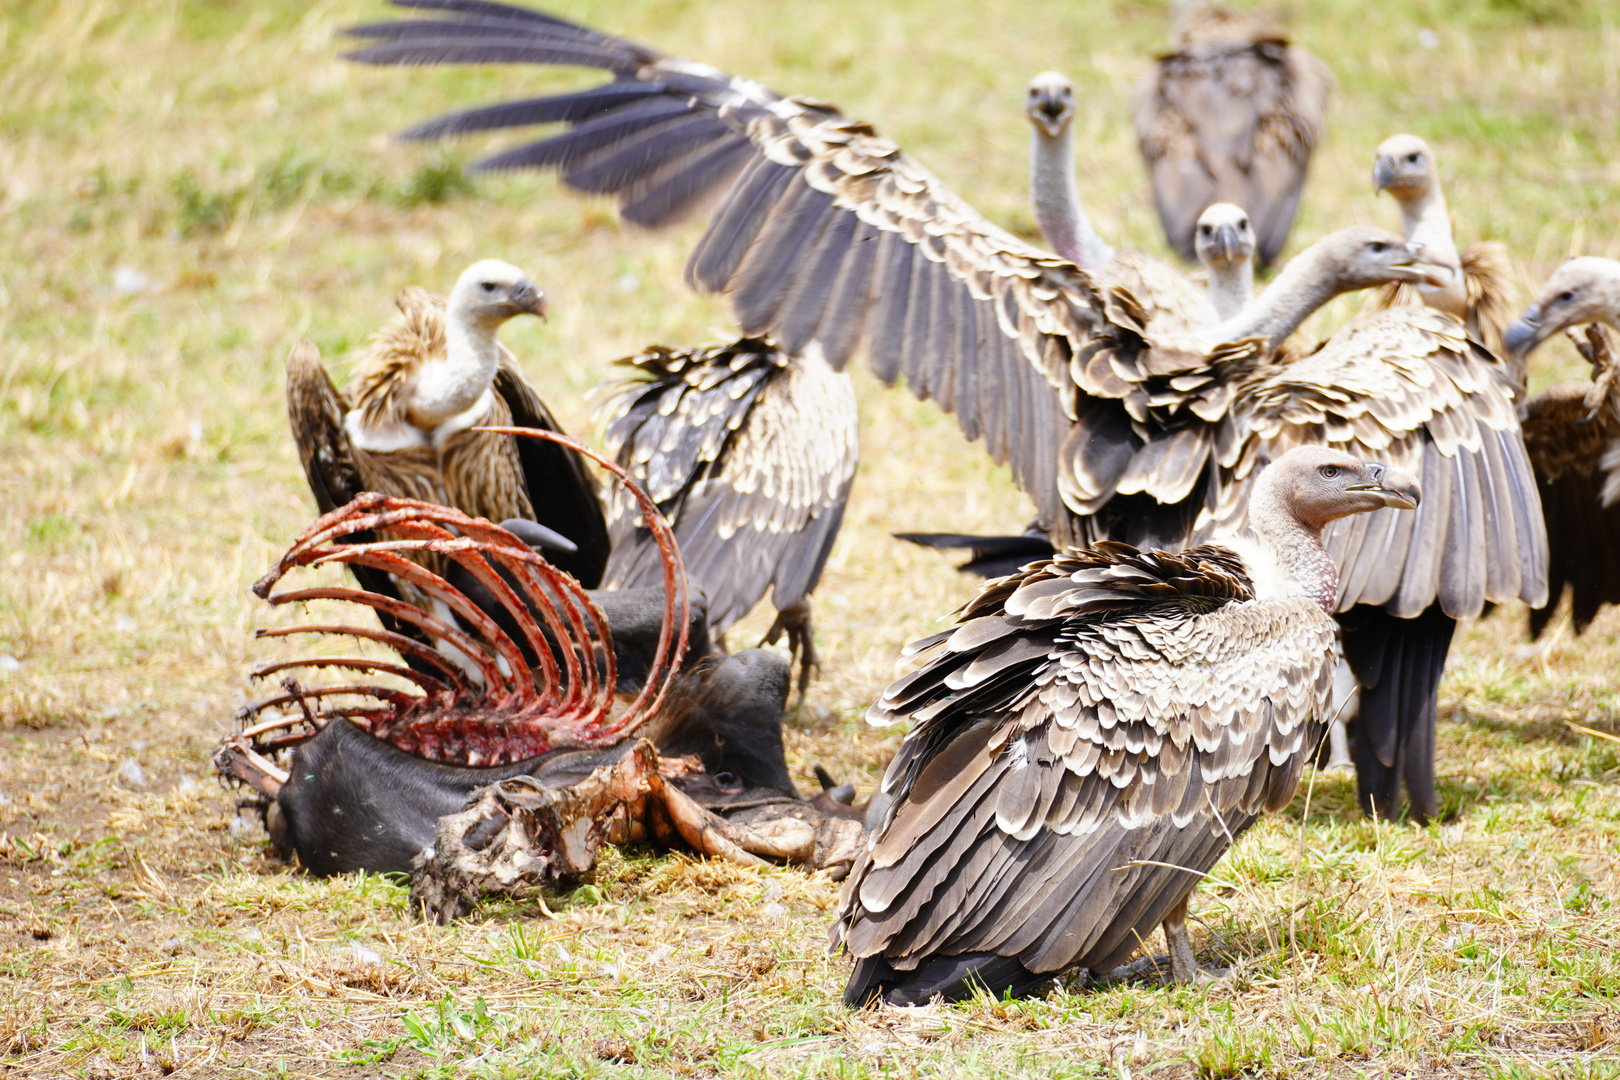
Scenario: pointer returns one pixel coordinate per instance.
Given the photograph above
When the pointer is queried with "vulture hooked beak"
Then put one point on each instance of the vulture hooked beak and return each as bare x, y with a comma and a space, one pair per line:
1226, 242
1525, 333
528, 300
1420, 269
1383, 174
1394, 487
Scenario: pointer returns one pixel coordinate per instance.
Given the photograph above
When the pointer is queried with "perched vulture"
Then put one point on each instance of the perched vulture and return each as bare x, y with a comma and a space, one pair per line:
834, 242
433, 373
1231, 115
1170, 302
1479, 288
1091, 739
750, 454
1572, 431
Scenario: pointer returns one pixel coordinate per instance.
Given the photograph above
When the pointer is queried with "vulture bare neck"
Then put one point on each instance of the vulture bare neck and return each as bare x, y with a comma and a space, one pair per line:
1056, 197
1304, 285
1231, 288
1427, 221
1290, 560
447, 386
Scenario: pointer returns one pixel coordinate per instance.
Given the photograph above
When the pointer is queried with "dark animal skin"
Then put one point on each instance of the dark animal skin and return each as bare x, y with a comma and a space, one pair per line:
353, 802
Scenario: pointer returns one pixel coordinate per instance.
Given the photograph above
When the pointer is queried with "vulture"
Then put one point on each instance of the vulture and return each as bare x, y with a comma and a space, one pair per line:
431, 375
1225, 246
1170, 302
1572, 431
834, 242
749, 453
1478, 289
1091, 738
1231, 115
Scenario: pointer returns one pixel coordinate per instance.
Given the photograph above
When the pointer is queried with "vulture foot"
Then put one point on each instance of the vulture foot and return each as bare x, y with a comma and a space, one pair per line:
1339, 761
794, 622
1184, 966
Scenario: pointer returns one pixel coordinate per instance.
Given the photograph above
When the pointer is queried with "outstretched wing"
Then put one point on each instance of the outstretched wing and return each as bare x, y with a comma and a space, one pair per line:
827, 238
1407, 387
1084, 746
750, 453
1231, 116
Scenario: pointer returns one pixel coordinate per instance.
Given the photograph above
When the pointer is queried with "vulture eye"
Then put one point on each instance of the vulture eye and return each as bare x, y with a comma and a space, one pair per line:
1206, 229
1244, 224
1566, 296
1378, 247
487, 286
725, 779
1329, 471
1413, 157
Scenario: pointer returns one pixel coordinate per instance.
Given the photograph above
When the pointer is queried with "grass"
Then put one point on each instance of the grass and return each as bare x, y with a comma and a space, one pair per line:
186, 189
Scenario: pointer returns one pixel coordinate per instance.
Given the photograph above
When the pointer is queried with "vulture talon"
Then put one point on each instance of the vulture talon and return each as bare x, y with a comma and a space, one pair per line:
794, 624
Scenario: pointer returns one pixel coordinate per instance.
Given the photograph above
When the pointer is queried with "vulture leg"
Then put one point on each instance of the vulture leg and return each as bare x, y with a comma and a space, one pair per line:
1398, 663
1183, 964
794, 621
1346, 705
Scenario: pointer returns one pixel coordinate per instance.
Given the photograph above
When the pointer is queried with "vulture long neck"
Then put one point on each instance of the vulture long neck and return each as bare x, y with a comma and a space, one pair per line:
1231, 288
445, 388
1304, 285
1301, 558
1426, 220
1056, 197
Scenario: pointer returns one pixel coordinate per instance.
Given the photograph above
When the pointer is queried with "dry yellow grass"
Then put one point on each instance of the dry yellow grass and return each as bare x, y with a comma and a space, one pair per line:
185, 189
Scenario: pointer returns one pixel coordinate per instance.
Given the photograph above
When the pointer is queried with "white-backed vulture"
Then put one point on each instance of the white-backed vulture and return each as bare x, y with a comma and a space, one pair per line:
1171, 303
434, 372
1479, 289
1090, 740
1224, 244
1232, 114
750, 454
1572, 431
833, 241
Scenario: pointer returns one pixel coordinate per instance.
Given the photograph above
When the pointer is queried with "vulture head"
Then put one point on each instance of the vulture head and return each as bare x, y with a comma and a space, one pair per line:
490, 292
1583, 290
1224, 237
1362, 257
1051, 103
1405, 168
1316, 485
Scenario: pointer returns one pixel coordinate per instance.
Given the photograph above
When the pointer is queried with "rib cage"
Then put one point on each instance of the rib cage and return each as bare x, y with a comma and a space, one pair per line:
511, 708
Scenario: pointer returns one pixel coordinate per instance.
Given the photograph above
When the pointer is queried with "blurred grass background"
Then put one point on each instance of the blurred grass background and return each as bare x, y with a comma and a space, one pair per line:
187, 188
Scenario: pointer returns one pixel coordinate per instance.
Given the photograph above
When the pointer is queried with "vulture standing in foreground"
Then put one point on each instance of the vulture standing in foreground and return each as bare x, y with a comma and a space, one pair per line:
1231, 115
1478, 289
1573, 433
1091, 739
749, 453
431, 375
830, 239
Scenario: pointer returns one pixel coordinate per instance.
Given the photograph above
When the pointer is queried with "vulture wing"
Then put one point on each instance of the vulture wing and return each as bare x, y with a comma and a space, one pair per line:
750, 454
1231, 116
825, 235
1571, 431
560, 487
1085, 746
1406, 386
315, 411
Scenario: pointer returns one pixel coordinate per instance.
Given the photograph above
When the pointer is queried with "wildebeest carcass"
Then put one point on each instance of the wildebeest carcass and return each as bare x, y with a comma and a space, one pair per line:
515, 695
